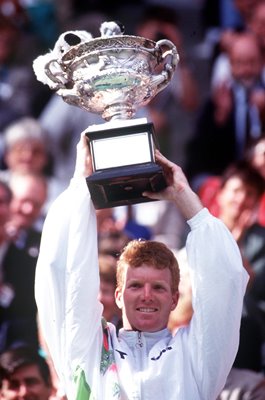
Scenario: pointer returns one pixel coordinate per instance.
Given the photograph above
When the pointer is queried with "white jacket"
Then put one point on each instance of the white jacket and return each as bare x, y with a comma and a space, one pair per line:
92, 362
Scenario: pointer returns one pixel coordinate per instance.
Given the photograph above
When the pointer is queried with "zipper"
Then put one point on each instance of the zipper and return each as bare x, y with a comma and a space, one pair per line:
139, 342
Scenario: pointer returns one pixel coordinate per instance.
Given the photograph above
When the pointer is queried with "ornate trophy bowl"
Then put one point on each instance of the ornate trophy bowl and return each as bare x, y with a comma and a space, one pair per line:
113, 75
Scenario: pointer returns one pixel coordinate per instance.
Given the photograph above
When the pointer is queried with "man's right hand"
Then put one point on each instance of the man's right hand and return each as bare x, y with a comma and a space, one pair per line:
83, 166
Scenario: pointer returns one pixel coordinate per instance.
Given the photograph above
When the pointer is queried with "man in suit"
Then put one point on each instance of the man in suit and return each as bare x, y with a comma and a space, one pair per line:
18, 310
232, 115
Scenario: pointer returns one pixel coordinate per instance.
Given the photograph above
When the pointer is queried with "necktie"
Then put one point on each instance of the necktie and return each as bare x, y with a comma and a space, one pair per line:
247, 121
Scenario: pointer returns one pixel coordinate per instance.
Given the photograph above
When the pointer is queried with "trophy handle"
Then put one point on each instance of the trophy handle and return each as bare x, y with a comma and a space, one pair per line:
171, 58
56, 75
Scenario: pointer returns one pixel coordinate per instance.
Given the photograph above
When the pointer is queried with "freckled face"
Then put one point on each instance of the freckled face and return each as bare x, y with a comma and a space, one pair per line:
146, 298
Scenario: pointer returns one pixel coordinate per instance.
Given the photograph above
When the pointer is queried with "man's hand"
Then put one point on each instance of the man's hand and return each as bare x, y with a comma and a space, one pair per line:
83, 166
178, 189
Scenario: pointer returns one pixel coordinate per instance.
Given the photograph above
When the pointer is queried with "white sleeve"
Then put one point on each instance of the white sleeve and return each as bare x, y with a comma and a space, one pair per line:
67, 281
218, 281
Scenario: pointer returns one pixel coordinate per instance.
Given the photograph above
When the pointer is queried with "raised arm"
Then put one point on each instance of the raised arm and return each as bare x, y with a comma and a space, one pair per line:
67, 278
218, 281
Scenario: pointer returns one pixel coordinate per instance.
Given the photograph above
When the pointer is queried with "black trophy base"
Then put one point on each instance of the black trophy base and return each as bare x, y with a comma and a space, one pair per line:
121, 186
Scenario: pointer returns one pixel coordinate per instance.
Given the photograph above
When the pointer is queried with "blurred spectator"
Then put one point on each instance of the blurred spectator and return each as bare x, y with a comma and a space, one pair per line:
107, 272
257, 27
24, 374
238, 198
161, 22
182, 314
110, 243
14, 80
227, 14
26, 152
177, 103
134, 228
222, 19
24, 147
18, 311
116, 229
255, 155
245, 8
255, 24
79, 7
42, 20
106, 221
162, 220
29, 196
243, 384
236, 203
18, 88
5, 199
231, 117
13, 11
117, 219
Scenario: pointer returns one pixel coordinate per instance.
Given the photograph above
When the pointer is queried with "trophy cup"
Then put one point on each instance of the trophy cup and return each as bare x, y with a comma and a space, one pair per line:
113, 75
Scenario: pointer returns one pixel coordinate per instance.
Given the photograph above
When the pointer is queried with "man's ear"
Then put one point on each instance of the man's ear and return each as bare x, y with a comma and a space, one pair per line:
175, 299
118, 298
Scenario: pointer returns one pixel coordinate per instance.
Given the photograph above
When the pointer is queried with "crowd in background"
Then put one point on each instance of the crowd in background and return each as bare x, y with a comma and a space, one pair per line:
210, 120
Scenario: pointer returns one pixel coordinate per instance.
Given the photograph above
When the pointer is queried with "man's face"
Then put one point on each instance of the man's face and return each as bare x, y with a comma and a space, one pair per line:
25, 384
245, 59
26, 155
29, 196
146, 298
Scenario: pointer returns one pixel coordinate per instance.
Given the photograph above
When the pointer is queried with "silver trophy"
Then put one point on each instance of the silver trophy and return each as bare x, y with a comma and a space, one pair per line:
113, 75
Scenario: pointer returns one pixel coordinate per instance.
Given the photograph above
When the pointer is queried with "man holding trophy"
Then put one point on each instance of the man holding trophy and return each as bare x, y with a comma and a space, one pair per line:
143, 361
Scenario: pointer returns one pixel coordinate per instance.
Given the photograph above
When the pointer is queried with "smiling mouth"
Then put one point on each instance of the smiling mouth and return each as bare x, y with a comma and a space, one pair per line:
146, 309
